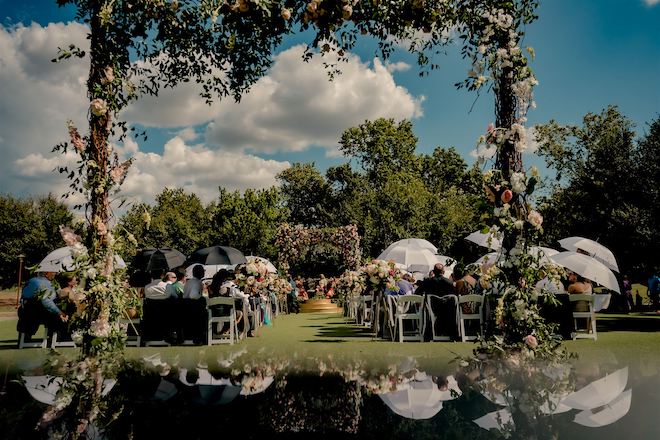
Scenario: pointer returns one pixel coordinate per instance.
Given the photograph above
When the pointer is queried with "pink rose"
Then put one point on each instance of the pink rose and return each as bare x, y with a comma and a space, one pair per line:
535, 218
530, 341
507, 195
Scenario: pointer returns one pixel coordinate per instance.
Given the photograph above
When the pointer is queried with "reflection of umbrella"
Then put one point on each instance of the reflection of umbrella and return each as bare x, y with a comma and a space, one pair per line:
599, 392
610, 413
217, 255
552, 404
491, 240
453, 391
271, 267
165, 391
211, 390
417, 400
255, 385
158, 258
593, 248
44, 388
61, 260
588, 267
495, 420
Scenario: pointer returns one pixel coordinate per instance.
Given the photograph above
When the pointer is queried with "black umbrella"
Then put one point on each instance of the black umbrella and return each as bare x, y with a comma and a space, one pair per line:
217, 255
164, 258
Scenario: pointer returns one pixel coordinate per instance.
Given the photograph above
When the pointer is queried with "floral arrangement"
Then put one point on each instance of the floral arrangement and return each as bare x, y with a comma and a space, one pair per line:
351, 284
292, 241
381, 274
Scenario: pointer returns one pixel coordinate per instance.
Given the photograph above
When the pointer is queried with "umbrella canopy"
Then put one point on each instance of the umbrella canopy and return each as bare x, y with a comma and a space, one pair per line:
606, 415
414, 242
593, 248
489, 258
414, 258
542, 253
212, 391
418, 400
495, 420
164, 258
61, 260
210, 269
271, 267
217, 255
45, 388
491, 240
587, 267
599, 392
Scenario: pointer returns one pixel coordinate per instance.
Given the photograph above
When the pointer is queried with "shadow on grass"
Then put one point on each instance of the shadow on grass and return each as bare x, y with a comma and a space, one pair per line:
344, 332
628, 323
325, 340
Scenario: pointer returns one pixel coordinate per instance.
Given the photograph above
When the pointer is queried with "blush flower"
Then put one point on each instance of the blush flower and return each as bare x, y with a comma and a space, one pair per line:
530, 341
98, 107
535, 218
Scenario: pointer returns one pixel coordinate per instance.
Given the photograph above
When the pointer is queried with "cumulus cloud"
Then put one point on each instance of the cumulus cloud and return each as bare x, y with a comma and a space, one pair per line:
293, 108
36, 99
296, 106
651, 2
196, 168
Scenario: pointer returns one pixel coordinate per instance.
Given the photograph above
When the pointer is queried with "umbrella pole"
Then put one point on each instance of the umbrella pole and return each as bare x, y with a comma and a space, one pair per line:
20, 274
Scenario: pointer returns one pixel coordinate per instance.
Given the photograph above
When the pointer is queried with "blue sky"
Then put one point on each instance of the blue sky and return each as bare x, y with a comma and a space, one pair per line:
590, 53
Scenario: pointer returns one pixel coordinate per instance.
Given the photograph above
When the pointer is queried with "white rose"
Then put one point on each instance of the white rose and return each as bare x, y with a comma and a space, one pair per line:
518, 184
98, 107
286, 14
535, 218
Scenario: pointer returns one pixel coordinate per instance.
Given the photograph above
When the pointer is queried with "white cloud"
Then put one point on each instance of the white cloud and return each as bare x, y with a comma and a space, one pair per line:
195, 168
296, 106
651, 2
36, 99
399, 66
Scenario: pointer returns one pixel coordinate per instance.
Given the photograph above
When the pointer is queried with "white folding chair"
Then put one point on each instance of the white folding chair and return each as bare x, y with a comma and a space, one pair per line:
476, 302
133, 337
366, 309
442, 302
219, 321
409, 308
388, 309
33, 344
589, 330
54, 343
352, 306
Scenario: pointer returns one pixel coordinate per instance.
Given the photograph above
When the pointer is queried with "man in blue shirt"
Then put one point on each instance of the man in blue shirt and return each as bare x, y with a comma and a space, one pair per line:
38, 305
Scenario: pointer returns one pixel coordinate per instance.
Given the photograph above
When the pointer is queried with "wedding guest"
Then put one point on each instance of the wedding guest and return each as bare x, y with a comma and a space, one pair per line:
38, 306
156, 288
193, 288
437, 284
175, 290
65, 295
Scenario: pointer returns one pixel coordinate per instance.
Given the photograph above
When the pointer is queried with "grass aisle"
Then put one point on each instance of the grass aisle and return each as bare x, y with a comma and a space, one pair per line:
306, 338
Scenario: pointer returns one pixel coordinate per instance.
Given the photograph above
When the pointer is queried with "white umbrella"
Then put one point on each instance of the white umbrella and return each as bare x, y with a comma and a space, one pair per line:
606, 415
413, 258
414, 242
61, 260
416, 400
489, 258
599, 392
543, 253
270, 266
593, 248
587, 267
491, 240
495, 420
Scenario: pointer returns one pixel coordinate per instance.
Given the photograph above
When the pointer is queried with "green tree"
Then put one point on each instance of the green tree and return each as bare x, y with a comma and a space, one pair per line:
599, 192
306, 194
247, 221
30, 227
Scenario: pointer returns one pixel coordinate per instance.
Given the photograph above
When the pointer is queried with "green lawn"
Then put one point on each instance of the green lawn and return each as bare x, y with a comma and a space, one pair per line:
307, 337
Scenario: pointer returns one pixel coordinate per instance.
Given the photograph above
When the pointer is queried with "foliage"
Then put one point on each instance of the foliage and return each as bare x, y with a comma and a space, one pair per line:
30, 227
590, 198
306, 194
248, 222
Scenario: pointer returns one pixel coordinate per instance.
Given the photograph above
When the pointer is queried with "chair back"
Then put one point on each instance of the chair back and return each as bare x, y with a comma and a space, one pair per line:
404, 303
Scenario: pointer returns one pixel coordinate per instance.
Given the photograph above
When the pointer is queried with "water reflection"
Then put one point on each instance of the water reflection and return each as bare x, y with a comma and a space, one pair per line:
514, 397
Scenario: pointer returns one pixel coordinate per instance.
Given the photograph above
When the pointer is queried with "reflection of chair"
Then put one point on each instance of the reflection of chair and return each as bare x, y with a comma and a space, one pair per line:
54, 343
441, 304
474, 303
579, 302
221, 304
410, 308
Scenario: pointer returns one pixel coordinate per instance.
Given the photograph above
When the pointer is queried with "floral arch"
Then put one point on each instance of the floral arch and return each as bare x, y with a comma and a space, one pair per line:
294, 241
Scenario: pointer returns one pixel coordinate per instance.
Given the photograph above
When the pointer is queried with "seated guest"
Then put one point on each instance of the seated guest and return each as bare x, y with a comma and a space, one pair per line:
437, 284
156, 288
65, 296
175, 290
464, 284
38, 306
193, 288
